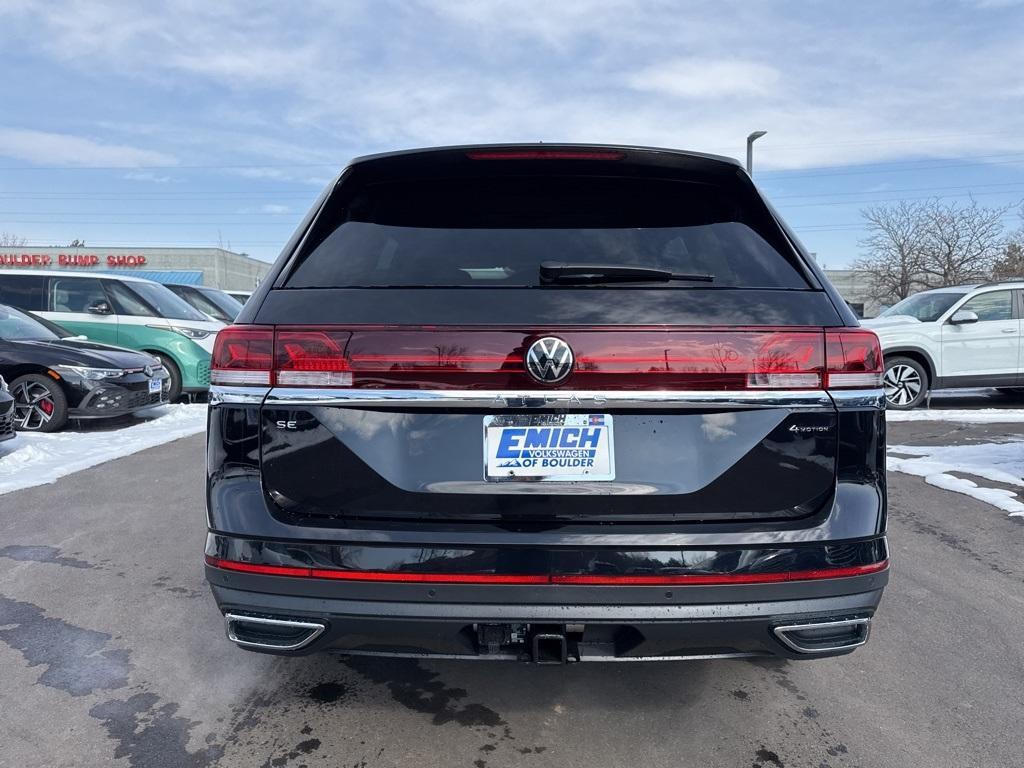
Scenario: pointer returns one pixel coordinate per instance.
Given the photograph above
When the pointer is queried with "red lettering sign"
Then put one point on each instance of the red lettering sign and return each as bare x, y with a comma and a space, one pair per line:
78, 260
126, 260
71, 260
24, 260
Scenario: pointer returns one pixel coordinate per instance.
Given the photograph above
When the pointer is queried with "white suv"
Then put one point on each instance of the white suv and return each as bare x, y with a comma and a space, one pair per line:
967, 336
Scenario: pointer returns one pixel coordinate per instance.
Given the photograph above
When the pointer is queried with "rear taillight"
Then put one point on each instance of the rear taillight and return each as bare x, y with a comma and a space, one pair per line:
489, 359
243, 355
853, 359
312, 358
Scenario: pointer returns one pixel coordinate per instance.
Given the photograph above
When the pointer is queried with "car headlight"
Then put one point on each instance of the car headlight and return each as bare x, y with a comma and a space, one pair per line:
189, 333
93, 374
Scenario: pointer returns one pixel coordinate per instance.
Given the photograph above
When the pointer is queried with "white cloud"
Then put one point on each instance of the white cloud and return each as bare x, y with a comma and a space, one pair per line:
695, 78
46, 148
149, 176
832, 85
275, 208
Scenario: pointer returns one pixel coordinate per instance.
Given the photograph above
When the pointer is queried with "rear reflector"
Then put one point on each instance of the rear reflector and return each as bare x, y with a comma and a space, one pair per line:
545, 154
494, 359
696, 579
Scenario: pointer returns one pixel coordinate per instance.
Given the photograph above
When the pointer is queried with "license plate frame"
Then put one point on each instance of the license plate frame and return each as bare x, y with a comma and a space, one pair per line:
571, 459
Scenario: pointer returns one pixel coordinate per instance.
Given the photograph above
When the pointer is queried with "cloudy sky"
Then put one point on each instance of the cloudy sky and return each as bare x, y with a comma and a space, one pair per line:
198, 123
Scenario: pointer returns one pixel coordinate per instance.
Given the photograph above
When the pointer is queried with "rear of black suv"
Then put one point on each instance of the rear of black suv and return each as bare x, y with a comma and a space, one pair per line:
546, 402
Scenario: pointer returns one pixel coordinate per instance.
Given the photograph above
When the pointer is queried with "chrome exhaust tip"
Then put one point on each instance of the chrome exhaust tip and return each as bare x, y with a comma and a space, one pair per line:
271, 634
824, 636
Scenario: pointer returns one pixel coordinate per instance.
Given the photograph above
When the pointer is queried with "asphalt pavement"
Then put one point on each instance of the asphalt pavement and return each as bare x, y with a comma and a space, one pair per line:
112, 652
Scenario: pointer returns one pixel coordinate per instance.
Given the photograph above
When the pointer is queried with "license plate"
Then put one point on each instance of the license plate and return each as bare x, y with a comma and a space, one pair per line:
155, 385
549, 447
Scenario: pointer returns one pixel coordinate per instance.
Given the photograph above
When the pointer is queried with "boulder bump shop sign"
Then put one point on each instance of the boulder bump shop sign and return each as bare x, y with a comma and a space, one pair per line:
44, 260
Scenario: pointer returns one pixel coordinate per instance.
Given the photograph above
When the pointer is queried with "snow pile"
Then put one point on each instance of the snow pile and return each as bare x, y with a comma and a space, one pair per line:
36, 459
999, 462
976, 416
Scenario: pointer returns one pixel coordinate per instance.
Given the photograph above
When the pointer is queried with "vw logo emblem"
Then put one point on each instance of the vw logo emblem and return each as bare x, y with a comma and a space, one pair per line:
549, 360
148, 370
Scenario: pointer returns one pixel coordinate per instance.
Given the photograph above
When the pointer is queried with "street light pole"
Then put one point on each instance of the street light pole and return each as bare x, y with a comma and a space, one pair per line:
750, 150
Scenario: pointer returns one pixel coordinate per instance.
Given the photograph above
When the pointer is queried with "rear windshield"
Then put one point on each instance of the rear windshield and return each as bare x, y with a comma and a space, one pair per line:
496, 233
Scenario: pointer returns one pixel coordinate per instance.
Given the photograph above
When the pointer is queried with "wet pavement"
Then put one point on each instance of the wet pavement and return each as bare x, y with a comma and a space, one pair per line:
112, 653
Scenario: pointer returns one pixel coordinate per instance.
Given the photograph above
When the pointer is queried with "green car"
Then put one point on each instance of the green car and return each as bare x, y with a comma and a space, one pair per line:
125, 311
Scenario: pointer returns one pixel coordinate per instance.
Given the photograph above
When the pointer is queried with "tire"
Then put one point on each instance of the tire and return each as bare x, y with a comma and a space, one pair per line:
906, 383
172, 369
40, 404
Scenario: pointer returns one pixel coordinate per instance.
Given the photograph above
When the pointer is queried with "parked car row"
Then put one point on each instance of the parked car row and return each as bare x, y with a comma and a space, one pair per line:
124, 311
81, 346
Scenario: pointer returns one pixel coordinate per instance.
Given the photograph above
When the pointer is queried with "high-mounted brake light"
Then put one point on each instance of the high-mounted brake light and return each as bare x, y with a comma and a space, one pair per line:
853, 359
545, 154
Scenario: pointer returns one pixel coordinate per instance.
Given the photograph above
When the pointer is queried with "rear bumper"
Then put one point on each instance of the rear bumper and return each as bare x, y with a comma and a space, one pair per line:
624, 622
607, 632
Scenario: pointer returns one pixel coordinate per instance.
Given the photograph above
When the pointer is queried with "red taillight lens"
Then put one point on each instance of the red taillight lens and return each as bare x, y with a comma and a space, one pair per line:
605, 359
243, 355
545, 154
312, 358
853, 359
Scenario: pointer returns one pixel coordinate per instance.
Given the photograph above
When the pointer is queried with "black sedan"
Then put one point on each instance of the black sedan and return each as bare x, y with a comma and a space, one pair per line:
54, 376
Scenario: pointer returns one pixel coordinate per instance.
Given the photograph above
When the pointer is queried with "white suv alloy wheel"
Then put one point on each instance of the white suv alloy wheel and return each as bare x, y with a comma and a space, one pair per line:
902, 384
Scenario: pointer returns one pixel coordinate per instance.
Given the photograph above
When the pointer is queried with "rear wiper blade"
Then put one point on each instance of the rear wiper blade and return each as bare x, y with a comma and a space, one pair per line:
579, 272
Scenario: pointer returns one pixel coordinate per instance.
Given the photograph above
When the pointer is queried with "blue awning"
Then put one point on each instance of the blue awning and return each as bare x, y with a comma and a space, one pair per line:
187, 277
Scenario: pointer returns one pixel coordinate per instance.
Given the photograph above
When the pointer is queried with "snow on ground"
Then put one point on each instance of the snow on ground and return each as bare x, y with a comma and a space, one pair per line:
999, 462
974, 416
36, 459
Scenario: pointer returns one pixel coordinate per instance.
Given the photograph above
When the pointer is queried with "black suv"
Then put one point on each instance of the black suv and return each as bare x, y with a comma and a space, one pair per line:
550, 403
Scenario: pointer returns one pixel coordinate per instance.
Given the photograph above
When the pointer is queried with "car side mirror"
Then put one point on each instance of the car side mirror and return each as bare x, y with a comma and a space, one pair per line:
99, 307
963, 317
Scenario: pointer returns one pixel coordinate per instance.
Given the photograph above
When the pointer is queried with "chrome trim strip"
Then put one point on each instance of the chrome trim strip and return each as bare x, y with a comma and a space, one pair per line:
221, 393
864, 624
858, 399
552, 399
315, 628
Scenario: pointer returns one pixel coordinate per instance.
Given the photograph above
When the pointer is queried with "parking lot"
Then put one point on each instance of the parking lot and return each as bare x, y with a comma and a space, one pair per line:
113, 654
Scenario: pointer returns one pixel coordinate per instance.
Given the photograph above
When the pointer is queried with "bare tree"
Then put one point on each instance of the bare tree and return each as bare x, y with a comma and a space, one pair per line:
12, 240
893, 263
1010, 266
961, 242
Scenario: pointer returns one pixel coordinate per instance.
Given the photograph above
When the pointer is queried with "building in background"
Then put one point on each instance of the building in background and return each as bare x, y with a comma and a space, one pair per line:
854, 287
215, 267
